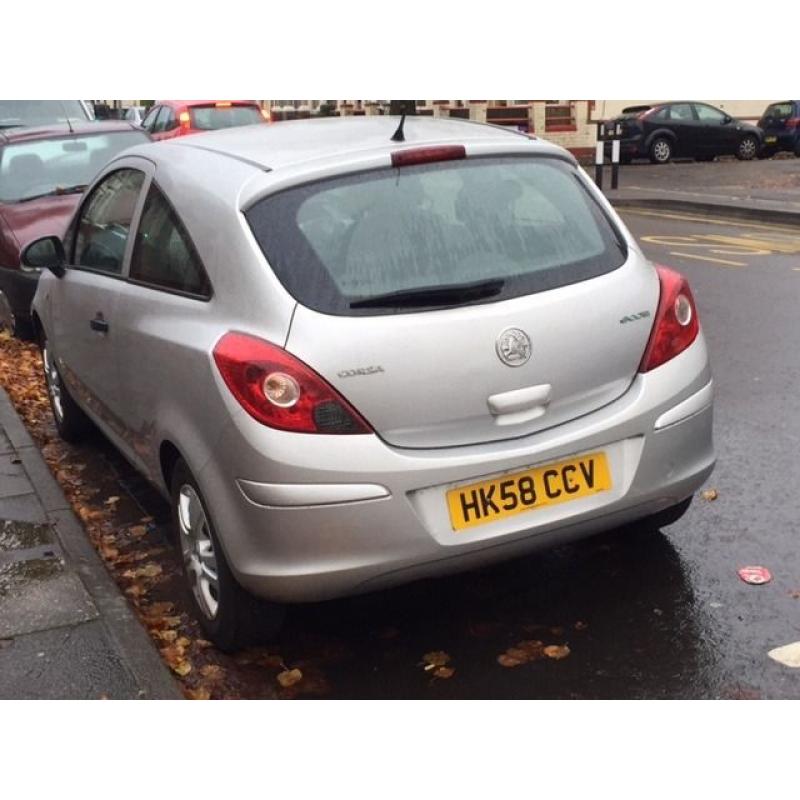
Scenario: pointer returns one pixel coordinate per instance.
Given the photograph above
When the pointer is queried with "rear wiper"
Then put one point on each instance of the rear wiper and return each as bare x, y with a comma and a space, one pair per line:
59, 190
433, 295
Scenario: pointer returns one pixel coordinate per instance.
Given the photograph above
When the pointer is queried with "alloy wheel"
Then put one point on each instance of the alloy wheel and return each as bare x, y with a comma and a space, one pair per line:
662, 151
747, 148
197, 549
53, 380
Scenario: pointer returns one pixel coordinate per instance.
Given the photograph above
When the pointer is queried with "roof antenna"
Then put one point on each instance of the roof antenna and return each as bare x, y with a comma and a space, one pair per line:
66, 116
398, 135
404, 107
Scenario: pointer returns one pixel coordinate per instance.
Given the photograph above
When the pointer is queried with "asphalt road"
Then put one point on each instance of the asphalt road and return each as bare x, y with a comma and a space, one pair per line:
645, 614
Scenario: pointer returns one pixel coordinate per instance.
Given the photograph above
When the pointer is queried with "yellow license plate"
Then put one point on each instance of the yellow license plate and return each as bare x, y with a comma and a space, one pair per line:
488, 501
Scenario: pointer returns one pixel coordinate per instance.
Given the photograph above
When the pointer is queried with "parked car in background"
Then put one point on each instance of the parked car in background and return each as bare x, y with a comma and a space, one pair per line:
351, 361
780, 124
170, 118
684, 130
135, 114
43, 172
19, 113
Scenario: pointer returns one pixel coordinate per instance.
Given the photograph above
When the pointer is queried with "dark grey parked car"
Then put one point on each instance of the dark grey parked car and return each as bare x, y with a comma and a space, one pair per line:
684, 130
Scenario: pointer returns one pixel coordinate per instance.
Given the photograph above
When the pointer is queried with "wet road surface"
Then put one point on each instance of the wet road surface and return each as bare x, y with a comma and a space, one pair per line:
645, 614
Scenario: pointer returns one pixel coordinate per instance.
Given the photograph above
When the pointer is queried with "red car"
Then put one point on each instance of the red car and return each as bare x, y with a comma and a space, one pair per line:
169, 118
43, 172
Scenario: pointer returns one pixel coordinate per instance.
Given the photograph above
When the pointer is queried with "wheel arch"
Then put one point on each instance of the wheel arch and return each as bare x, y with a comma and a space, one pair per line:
168, 457
661, 133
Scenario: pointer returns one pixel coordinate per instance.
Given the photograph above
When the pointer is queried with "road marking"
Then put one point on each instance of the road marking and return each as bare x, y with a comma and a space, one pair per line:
708, 258
733, 223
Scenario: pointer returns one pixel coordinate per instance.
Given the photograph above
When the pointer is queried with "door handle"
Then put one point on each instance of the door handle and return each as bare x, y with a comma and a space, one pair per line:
99, 324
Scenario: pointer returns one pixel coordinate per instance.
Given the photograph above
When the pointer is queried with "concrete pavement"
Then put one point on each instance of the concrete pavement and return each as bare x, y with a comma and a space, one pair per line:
768, 189
66, 631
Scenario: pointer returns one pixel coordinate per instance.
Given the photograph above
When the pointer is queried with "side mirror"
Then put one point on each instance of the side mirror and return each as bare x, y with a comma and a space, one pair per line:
46, 253
727, 120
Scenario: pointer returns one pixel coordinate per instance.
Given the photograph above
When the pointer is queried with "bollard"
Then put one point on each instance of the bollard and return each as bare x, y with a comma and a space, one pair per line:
599, 156
607, 132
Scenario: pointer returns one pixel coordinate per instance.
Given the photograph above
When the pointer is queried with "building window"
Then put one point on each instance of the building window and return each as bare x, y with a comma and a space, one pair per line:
559, 117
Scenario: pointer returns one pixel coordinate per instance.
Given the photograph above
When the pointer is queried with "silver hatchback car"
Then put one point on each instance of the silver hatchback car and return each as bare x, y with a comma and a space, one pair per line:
355, 353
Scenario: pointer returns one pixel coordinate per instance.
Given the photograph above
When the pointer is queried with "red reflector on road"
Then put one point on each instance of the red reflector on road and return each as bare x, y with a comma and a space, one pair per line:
425, 155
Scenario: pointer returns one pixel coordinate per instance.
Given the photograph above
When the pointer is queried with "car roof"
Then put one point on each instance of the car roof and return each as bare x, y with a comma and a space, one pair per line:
297, 142
62, 130
190, 103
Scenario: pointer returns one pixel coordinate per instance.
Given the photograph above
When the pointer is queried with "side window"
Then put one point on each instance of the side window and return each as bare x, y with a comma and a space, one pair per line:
105, 221
167, 121
660, 114
709, 114
150, 118
163, 254
681, 112
158, 125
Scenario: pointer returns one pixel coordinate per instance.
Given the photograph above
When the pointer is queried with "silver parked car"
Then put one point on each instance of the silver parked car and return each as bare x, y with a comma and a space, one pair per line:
354, 356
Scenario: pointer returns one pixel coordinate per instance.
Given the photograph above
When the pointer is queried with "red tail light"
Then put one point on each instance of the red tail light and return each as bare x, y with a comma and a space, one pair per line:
185, 119
280, 391
794, 122
424, 155
676, 324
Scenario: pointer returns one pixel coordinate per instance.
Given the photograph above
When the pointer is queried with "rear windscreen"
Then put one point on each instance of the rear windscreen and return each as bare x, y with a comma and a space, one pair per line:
529, 222
212, 118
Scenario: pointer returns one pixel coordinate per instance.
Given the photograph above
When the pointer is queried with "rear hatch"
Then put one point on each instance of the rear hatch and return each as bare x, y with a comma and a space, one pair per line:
224, 114
630, 119
779, 121
460, 303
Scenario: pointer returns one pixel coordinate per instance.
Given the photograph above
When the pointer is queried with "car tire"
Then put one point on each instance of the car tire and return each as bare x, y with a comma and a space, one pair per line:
71, 421
661, 151
747, 149
231, 617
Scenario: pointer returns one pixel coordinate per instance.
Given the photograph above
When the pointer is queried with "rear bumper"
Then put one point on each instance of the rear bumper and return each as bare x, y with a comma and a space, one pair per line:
289, 544
633, 147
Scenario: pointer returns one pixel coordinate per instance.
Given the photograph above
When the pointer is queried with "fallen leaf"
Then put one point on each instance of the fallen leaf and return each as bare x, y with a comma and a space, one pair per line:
505, 660
137, 531
200, 693
289, 677
150, 570
444, 672
182, 668
581, 626
166, 636
110, 501
437, 658
532, 648
556, 651
755, 575
160, 608
213, 672
710, 494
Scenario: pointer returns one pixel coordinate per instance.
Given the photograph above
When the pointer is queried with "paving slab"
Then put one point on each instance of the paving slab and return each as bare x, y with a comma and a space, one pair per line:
66, 630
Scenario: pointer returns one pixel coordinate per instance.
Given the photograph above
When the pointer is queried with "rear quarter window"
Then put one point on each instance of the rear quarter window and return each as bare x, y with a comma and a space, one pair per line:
529, 222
